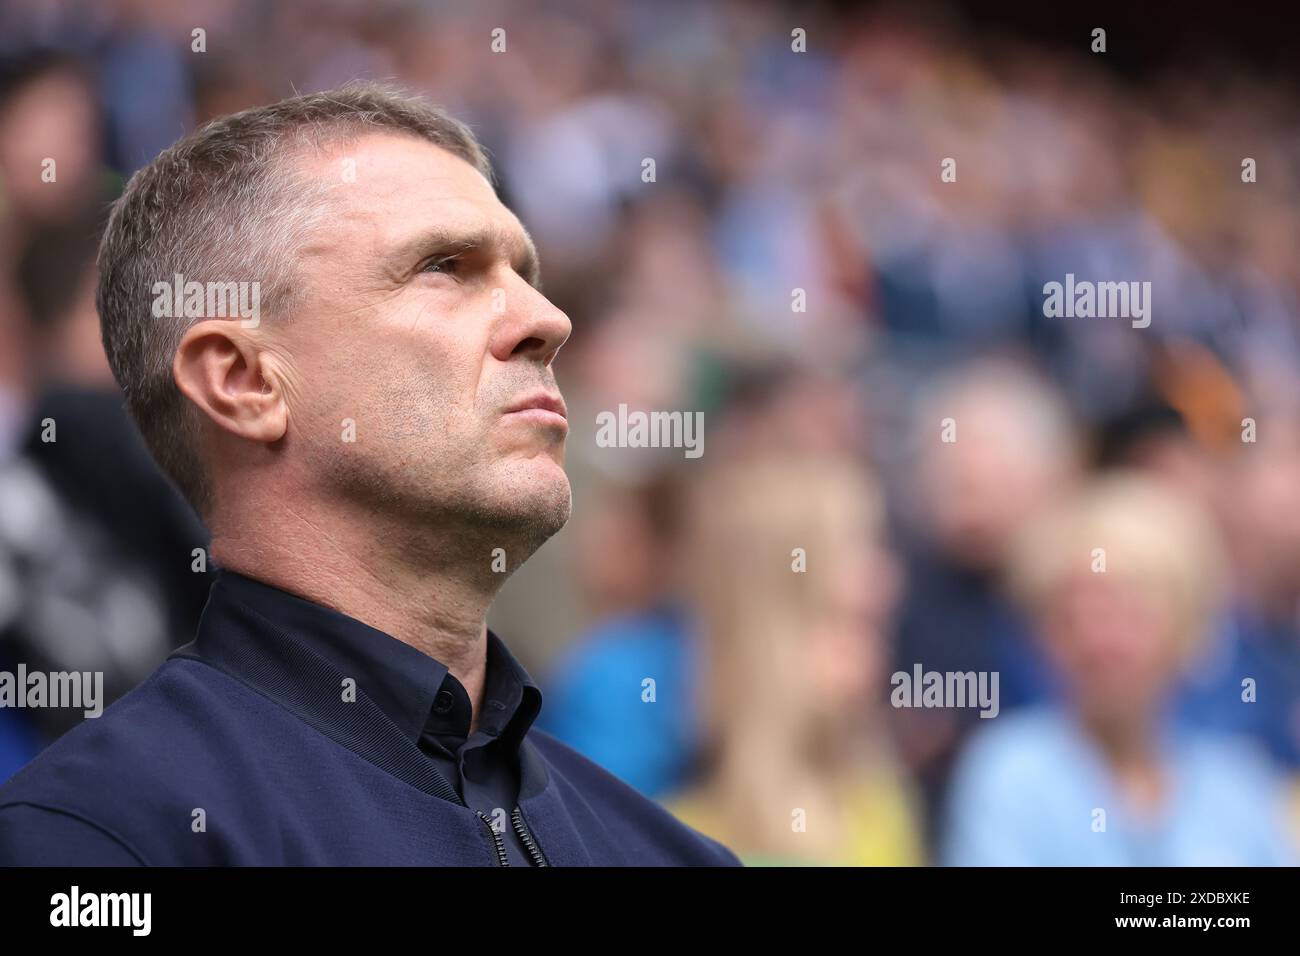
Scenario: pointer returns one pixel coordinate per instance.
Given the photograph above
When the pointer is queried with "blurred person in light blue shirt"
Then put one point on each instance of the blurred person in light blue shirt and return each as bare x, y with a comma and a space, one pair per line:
1122, 584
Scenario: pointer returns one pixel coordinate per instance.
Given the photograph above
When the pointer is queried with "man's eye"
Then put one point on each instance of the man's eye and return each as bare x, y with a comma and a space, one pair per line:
447, 264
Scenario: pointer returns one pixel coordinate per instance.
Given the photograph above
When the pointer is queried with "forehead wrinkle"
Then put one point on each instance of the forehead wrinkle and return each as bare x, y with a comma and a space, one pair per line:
505, 234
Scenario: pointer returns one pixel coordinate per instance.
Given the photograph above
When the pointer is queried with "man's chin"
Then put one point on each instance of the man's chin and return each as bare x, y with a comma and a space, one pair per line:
536, 494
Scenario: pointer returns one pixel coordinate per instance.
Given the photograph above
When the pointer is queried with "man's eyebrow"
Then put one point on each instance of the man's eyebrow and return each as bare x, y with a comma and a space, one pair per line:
436, 241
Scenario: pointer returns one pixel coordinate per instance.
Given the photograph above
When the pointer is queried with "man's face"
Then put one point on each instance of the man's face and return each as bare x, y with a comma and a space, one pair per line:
420, 323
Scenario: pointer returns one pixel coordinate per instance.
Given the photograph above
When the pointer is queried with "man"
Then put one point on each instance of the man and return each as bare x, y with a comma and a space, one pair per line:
370, 427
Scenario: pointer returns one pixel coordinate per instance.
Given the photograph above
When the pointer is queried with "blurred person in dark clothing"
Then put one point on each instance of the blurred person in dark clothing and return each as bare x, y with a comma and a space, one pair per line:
96, 547
994, 448
122, 563
1249, 680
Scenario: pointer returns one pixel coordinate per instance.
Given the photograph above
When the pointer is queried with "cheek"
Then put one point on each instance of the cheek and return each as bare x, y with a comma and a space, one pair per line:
428, 336
407, 377
417, 380
384, 409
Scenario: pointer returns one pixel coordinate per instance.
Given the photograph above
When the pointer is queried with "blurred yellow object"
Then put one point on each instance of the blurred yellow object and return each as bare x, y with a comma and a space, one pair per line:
879, 827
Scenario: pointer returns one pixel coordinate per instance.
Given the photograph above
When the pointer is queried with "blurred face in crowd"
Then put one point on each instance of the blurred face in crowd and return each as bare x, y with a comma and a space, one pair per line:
792, 655
420, 322
844, 641
1116, 644
53, 117
980, 489
641, 525
1260, 504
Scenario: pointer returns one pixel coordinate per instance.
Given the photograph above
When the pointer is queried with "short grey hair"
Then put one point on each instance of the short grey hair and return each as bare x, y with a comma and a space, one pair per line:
227, 203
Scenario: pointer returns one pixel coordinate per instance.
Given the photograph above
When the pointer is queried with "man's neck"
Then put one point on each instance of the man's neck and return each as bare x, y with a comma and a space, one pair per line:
417, 592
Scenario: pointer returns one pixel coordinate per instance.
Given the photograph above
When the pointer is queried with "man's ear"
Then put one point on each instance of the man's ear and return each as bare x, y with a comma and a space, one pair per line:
224, 371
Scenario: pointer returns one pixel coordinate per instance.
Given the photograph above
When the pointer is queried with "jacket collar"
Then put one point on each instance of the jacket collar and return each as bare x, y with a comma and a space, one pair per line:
364, 689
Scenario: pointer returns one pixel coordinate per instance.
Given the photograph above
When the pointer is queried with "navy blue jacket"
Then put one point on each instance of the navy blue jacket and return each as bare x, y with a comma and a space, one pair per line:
242, 749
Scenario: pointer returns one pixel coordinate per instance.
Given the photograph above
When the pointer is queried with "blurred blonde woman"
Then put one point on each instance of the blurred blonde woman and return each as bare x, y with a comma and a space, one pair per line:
792, 590
1124, 582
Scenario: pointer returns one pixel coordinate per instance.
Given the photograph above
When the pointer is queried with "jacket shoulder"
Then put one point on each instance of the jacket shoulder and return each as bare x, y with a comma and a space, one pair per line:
135, 770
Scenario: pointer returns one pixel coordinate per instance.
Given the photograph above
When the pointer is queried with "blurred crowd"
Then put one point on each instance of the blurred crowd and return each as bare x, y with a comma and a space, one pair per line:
907, 463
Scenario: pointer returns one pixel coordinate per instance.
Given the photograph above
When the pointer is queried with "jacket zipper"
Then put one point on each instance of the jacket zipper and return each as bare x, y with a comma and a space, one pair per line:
502, 858
517, 818
517, 821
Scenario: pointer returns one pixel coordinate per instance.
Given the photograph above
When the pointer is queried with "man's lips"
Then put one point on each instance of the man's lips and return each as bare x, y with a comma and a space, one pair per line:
546, 408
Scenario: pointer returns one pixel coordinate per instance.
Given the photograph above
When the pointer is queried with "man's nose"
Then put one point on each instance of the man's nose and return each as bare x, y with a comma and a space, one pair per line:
533, 328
